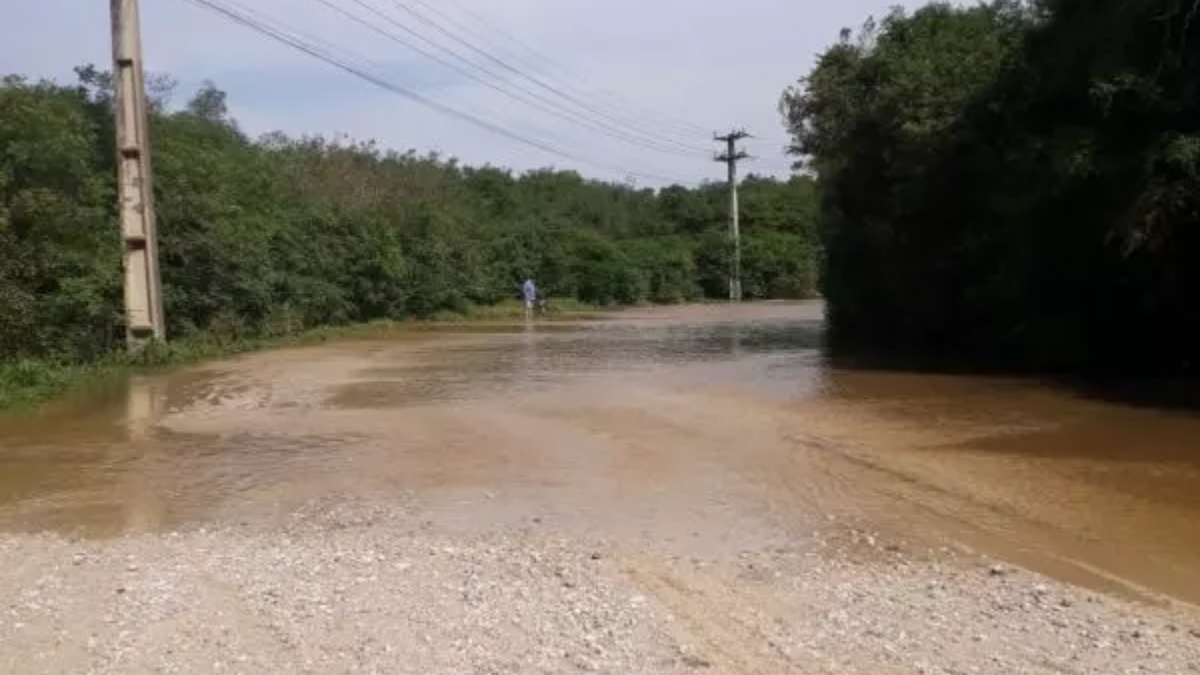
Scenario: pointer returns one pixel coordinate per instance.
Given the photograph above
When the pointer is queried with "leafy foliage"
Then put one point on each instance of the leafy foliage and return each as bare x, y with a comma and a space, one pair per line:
1015, 182
271, 236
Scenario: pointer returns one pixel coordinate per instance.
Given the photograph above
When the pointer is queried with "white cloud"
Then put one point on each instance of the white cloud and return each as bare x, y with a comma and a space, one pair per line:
711, 64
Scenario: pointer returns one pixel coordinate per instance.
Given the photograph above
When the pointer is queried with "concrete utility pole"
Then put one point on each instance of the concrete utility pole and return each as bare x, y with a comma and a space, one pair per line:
135, 190
731, 157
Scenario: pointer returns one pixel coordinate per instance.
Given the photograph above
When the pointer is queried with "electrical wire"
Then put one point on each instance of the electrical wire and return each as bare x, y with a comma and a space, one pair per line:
468, 69
616, 119
680, 125
249, 19
689, 128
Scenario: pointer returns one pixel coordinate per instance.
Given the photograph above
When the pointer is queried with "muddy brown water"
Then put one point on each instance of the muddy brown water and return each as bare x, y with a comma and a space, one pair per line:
708, 429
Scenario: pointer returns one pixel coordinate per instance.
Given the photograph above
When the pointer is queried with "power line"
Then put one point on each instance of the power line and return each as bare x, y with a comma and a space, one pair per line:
687, 128
539, 82
602, 125
246, 18
331, 48
540, 102
781, 144
559, 89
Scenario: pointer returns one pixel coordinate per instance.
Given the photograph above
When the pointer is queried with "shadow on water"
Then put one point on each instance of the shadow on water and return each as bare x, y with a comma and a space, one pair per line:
1156, 393
1024, 419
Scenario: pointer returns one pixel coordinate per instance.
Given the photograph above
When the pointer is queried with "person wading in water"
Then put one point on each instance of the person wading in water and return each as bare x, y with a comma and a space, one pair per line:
529, 290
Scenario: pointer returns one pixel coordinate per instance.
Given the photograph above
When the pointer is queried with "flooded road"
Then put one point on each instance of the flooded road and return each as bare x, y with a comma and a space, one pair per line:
704, 430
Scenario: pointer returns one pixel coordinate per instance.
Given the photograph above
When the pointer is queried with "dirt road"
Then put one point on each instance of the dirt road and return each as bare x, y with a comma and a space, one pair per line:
676, 491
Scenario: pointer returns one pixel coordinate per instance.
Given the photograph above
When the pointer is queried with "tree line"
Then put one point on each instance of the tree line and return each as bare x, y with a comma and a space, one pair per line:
274, 235
1012, 182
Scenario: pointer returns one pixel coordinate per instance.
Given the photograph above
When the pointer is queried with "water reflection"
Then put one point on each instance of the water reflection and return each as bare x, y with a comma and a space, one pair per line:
535, 360
144, 404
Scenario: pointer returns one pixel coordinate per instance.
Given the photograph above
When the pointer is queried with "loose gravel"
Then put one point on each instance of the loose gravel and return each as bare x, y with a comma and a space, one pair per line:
357, 588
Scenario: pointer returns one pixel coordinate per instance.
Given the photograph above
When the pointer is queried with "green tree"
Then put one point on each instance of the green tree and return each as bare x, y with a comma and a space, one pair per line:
273, 235
1011, 182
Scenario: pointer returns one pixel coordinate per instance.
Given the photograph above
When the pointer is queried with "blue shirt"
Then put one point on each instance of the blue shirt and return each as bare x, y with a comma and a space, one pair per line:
530, 291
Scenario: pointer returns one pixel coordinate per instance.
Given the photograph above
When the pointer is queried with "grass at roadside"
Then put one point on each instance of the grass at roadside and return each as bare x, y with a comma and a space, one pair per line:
30, 382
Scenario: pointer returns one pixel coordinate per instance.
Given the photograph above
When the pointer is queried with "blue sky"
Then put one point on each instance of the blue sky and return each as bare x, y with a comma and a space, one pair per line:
703, 64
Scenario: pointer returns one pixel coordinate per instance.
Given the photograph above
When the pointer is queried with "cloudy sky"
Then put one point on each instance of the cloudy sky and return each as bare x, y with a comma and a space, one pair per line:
619, 89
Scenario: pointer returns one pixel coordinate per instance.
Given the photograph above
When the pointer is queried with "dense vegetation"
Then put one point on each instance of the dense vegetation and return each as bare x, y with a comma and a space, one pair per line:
1016, 182
276, 235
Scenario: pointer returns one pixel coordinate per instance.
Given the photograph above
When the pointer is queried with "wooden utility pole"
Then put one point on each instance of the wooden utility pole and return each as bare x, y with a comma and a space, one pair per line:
731, 157
135, 190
